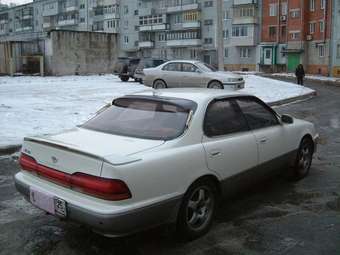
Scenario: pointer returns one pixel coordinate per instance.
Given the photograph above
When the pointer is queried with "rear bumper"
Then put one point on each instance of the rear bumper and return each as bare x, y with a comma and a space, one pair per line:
116, 224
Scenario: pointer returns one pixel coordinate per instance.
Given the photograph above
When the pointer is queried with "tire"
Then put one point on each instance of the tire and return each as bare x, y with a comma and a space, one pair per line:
197, 210
124, 78
159, 84
215, 85
303, 159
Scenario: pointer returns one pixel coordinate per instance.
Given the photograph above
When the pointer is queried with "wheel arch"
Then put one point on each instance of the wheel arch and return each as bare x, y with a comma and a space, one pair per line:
159, 79
210, 178
310, 137
214, 80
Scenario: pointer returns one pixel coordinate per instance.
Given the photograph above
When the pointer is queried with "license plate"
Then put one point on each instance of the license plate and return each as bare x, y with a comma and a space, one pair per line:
48, 202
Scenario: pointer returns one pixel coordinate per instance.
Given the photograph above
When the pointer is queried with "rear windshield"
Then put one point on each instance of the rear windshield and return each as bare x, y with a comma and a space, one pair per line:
142, 118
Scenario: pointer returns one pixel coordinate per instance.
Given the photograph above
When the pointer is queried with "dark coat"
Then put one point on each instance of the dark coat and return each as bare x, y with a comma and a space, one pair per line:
300, 72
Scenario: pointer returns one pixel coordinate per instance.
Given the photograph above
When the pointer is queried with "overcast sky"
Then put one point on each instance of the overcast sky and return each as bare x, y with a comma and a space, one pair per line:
15, 1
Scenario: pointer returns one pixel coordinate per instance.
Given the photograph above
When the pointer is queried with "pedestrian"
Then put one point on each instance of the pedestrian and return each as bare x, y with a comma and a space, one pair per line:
300, 74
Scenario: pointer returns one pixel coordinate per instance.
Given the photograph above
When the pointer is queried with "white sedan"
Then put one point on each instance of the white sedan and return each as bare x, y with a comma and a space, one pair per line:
190, 73
162, 156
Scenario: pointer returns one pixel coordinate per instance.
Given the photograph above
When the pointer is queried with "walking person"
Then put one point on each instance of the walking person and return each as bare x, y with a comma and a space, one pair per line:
300, 74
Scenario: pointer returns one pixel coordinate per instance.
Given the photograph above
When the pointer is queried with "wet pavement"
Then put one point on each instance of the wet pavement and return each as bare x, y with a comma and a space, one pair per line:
277, 217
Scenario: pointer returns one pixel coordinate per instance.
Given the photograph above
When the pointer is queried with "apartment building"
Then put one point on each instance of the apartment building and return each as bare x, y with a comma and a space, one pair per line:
335, 40
241, 34
294, 32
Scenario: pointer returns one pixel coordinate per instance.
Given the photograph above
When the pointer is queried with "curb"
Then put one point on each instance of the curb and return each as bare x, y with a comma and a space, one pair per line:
9, 149
293, 79
293, 99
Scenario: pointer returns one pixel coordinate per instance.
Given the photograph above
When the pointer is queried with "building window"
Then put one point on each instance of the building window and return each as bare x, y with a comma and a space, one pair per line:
322, 26
284, 8
82, 20
295, 13
338, 51
312, 27
312, 5
126, 9
208, 22
178, 19
244, 53
136, 12
226, 15
272, 10
126, 39
226, 52
208, 4
193, 54
82, 6
321, 51
322, 4
225, 34
283, 31
272, 31
191, 16
240, 31
161, 37
208, 40
294, 35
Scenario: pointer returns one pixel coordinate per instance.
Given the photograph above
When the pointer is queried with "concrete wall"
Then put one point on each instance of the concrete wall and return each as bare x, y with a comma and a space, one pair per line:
69, 53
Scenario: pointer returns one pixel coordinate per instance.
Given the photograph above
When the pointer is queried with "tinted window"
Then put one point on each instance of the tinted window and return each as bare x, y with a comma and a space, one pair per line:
143, 118
257, 114
186, 67
172, 67
224, 117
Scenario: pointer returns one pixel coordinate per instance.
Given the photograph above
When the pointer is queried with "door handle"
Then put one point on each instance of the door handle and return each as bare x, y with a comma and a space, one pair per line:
263, 140
215, 153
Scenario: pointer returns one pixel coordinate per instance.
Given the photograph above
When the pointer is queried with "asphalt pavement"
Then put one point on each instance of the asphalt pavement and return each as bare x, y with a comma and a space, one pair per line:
276, 217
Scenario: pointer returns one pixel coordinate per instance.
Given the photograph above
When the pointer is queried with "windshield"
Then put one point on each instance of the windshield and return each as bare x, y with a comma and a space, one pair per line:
141, 118
206, 67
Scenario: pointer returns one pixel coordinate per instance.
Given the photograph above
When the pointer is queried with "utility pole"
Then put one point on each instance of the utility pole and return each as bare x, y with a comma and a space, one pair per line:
219, 35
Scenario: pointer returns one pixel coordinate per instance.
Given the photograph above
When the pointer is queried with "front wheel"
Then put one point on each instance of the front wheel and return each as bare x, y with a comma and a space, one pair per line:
215, 85
303, 160
124, 78
159, 84
197, 210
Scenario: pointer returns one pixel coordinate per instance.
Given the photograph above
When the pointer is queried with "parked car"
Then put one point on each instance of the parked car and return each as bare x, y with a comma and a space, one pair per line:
125, 68
162, 157
146, 63
183, 73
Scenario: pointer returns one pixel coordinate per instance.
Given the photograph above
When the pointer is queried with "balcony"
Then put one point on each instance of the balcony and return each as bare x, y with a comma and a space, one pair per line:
111, 30
111, 16
71, 8
27, 16
181, 8
243, 41
68, 22
183, 42
146, 44
3, 21
22, 29
193, 24
46, 25
241, 2
245, 20
154, 27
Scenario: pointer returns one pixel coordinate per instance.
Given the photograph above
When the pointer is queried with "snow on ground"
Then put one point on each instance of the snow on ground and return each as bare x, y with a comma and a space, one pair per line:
44, 105
309, 76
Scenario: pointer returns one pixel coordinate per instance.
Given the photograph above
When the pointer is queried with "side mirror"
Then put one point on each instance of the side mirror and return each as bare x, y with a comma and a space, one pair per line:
287, 119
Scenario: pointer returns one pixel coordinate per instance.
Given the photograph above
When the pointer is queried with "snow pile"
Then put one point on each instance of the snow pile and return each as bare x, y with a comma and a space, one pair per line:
44, 105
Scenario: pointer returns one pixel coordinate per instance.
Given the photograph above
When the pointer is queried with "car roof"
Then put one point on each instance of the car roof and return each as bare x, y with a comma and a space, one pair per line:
198, 95
184, 61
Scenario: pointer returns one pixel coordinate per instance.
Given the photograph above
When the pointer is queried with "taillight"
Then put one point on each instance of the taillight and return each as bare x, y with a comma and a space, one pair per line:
108, 189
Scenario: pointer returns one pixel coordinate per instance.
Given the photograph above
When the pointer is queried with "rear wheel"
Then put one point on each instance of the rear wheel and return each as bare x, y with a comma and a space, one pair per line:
215, 85
197, 210
303, 160
159, 84
124, 78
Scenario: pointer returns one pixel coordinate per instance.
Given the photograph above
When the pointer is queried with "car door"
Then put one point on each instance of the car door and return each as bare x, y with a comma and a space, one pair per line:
270, 134
230, 147
191, 76
171, 74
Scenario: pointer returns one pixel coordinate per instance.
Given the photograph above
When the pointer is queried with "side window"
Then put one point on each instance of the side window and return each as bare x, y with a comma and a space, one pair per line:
186, 67
174, 67
257, 115
224, 117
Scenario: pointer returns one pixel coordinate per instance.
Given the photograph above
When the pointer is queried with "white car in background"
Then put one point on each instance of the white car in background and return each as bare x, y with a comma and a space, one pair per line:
162, 156
188, 73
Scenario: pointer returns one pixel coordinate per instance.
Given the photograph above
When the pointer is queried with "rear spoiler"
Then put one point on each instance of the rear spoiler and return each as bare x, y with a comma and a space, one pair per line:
111, 159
